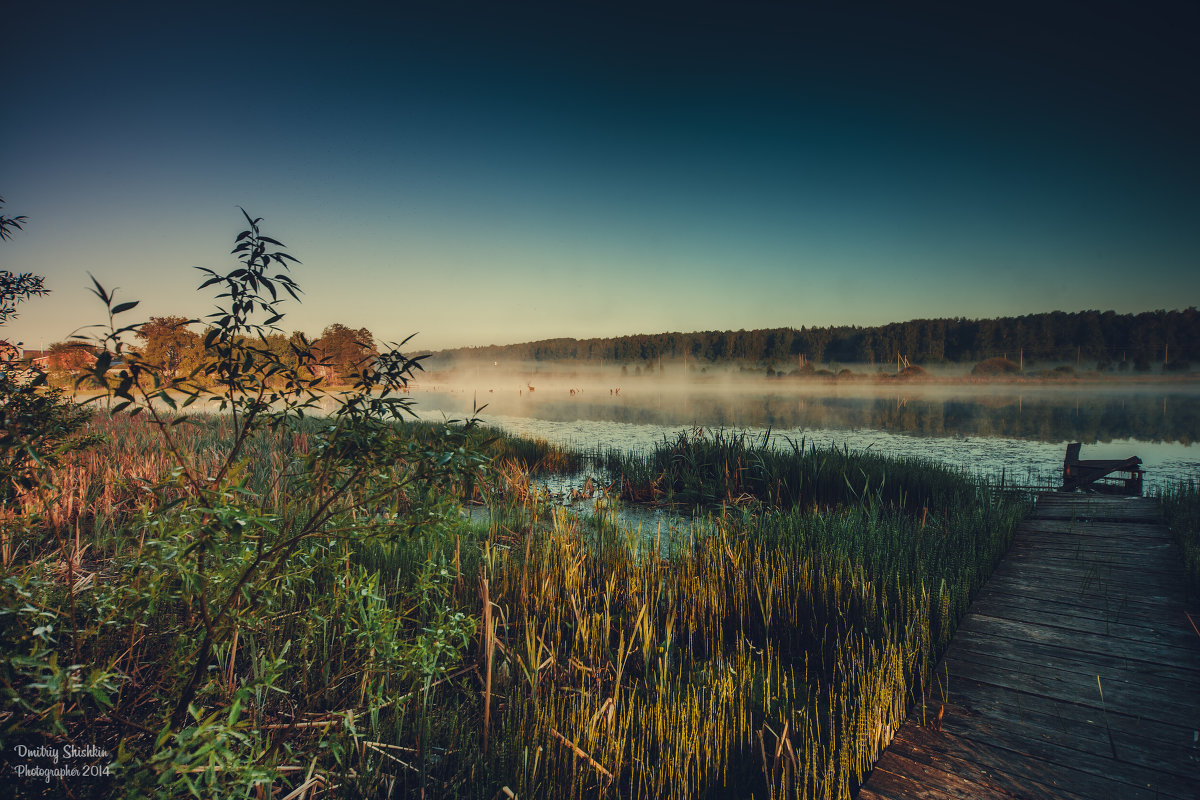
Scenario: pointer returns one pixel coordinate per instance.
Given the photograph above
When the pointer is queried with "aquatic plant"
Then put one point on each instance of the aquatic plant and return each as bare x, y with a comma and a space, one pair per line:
1181, 508
707, 468
777, 651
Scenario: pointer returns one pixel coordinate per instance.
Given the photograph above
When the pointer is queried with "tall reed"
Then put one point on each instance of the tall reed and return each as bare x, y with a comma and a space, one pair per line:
1181, 507
720, 467
777, 654
774, 651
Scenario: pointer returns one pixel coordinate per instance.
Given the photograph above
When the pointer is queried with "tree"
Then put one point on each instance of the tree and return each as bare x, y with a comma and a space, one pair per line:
222, 557
71, 356
344, 350
13, 287
168, 343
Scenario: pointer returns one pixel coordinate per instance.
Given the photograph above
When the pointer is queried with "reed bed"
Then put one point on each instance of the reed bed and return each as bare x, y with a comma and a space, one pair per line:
701, 468
776, 656
538, 456
1181, 507
96, 487
772, 654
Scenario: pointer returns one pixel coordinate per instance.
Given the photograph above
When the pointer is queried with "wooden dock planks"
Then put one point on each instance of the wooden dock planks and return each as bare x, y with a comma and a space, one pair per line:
1075, 674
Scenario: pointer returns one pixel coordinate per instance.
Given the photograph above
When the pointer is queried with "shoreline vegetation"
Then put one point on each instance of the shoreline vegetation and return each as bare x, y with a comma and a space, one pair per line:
776, 647
291, 599
770, 651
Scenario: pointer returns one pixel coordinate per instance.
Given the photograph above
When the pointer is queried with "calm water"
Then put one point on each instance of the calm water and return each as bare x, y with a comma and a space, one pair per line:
986, 429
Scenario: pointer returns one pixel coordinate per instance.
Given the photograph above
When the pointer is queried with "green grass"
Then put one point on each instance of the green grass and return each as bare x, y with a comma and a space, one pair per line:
772, 653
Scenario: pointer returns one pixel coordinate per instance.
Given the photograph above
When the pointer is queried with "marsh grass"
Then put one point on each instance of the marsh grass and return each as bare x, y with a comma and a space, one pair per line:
773, 653
704, 469
1181, 507
784, 651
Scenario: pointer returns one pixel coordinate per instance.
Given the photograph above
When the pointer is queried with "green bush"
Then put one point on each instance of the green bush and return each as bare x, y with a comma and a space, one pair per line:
232, 601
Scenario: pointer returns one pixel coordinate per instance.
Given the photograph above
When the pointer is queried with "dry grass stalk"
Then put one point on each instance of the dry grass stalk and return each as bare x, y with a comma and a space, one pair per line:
340, 718
375, 747
312, 783
581, 753
229, 676
488, 651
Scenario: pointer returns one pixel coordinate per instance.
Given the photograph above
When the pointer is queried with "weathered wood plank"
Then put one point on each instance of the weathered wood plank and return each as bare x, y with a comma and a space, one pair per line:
897, 786
1106, 767
1128, 531
1097, 514
1071, 687
1033, 655
1078, 507
1177, 657
1106, 735
1149, 551
1145, 603
949, 778
1091, 587
1099, 606
1164, 633
967, 758
1065, 717
1097, 584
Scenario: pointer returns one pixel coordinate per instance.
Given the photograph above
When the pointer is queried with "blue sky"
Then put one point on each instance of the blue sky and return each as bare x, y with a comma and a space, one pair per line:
494, 173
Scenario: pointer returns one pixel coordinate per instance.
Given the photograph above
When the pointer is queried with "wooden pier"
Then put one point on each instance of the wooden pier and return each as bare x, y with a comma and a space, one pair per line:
1075, 674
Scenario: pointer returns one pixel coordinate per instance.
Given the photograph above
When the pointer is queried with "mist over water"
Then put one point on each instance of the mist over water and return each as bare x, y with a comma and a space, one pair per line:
1021, 429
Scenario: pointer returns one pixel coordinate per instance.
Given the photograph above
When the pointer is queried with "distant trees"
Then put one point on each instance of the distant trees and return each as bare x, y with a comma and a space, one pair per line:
342, 349
1111, 340
169, 345
71, 357
1055, 336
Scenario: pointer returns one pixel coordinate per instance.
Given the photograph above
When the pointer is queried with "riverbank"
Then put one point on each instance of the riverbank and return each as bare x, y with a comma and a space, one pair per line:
482, 655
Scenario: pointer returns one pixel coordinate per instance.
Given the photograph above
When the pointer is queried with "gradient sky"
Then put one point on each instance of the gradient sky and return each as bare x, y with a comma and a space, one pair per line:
501, 172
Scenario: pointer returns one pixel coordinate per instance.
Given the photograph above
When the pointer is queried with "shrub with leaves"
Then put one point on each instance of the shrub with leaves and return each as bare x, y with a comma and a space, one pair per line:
237, 635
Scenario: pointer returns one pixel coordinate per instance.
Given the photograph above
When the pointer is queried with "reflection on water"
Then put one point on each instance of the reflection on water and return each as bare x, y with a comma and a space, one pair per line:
1044, 416
980, 428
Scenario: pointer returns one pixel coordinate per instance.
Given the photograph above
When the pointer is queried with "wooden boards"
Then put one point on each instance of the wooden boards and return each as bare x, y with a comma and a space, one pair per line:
1075, 674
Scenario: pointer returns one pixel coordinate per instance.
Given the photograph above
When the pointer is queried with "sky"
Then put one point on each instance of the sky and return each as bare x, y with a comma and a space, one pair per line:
490, 173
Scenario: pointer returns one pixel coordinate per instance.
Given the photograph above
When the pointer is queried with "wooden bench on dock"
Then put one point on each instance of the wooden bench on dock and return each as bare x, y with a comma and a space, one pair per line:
1094, 475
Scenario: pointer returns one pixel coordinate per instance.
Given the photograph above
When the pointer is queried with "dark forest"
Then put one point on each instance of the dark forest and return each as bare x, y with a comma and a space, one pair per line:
1105, 339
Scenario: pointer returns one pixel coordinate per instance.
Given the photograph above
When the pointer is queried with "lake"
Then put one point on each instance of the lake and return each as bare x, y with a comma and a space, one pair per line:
1020, 429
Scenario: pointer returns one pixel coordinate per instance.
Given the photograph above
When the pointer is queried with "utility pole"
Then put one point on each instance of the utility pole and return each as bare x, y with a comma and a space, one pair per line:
1022, 358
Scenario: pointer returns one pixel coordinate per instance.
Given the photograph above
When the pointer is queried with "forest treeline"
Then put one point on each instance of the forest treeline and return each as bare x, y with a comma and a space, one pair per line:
1103, 338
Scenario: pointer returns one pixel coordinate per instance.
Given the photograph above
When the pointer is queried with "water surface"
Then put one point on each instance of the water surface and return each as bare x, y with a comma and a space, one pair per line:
1020, 430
